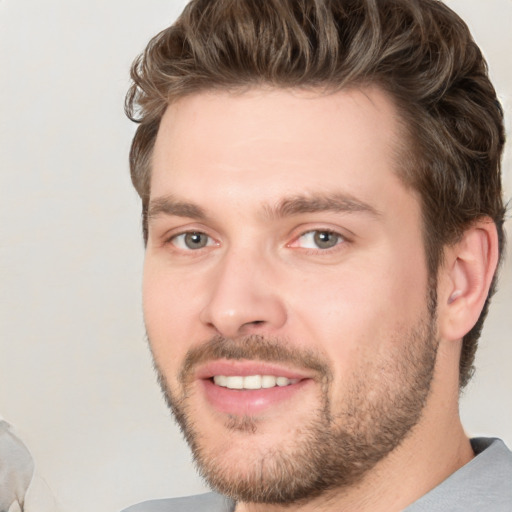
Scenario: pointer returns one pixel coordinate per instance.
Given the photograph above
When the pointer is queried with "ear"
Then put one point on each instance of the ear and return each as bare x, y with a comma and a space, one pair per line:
465, 278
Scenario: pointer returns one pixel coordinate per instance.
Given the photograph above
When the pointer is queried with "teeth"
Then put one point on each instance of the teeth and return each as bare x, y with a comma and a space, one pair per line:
282, 381
268, 381
251, 381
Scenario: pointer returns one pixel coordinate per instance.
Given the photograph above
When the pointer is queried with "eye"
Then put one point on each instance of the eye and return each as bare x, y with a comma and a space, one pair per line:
319, 239
192, 240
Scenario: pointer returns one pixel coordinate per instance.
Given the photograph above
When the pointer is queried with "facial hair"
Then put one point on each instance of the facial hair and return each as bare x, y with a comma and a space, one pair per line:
381, 403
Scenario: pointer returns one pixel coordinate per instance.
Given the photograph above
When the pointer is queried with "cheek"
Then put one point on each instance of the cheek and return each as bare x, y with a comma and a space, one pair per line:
166, 308
359, 306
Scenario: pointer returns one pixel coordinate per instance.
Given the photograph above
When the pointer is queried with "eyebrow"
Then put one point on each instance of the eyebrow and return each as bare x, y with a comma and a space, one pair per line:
336, 202
167, 205
287, 207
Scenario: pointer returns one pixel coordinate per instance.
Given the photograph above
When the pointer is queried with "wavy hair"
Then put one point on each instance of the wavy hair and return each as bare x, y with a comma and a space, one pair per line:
419, 51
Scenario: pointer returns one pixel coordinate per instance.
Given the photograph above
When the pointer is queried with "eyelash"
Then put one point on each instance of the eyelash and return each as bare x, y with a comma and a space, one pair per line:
340, 240
171, 240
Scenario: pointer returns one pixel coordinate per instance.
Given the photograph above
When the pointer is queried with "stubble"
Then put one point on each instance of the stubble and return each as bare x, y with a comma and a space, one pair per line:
339, 443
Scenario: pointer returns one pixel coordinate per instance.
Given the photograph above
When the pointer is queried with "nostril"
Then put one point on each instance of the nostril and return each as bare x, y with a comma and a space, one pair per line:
254, 324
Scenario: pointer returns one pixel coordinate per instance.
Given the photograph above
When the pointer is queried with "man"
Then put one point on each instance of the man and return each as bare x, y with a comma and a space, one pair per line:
323, 220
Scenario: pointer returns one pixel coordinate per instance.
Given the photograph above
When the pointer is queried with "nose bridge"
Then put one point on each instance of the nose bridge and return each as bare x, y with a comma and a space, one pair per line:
244, 295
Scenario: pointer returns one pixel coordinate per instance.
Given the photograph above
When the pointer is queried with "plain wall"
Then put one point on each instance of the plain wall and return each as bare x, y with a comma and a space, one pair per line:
75, 373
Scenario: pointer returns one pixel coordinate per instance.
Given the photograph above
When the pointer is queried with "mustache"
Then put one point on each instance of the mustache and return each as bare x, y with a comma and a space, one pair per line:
254, 347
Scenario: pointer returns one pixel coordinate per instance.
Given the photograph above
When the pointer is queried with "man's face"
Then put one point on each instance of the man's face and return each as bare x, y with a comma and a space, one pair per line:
285, 257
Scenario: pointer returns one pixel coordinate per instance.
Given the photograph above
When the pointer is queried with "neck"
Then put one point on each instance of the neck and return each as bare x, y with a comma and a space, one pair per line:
395, 484
434, 449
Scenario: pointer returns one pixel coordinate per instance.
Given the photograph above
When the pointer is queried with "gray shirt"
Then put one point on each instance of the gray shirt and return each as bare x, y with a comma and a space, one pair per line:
485, 483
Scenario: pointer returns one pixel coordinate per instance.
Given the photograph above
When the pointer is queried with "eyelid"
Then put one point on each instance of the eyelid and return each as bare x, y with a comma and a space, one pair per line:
182, 246
343, 239
169, 236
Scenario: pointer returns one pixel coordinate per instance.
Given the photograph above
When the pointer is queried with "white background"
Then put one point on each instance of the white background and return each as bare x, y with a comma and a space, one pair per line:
75, 375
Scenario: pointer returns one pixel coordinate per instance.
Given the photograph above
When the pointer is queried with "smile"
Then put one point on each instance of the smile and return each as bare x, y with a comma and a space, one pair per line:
252, 381
251, 387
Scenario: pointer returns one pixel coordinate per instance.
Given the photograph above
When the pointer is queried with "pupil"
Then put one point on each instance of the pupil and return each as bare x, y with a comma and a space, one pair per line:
325, 240
195, 240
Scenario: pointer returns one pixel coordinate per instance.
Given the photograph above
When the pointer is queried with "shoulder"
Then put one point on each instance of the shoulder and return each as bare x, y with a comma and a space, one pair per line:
492, 462
482, 484
210, 502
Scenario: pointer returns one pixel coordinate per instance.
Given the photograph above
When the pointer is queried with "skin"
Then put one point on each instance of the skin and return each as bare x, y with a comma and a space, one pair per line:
232, 159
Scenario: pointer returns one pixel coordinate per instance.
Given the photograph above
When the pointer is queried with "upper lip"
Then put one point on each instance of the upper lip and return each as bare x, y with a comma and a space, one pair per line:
244, 368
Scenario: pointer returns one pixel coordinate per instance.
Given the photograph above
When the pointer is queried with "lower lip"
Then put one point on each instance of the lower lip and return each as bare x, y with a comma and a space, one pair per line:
244, 402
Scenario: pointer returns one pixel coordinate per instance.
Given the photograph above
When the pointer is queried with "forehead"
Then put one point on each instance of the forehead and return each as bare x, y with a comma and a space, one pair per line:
264, 142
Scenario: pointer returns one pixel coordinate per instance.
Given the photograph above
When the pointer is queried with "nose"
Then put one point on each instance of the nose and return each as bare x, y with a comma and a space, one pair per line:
244, 297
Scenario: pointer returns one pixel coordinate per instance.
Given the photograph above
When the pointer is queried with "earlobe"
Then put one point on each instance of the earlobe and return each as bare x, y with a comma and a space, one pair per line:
468, 271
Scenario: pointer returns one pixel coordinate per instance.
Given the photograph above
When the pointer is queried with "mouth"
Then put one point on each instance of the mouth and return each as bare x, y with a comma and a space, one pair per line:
249, 388
252, 381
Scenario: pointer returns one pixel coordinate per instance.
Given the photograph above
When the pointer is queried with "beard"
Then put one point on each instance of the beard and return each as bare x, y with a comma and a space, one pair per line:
338, 443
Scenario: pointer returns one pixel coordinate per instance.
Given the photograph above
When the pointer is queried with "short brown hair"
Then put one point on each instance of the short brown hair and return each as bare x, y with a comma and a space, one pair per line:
419, 51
